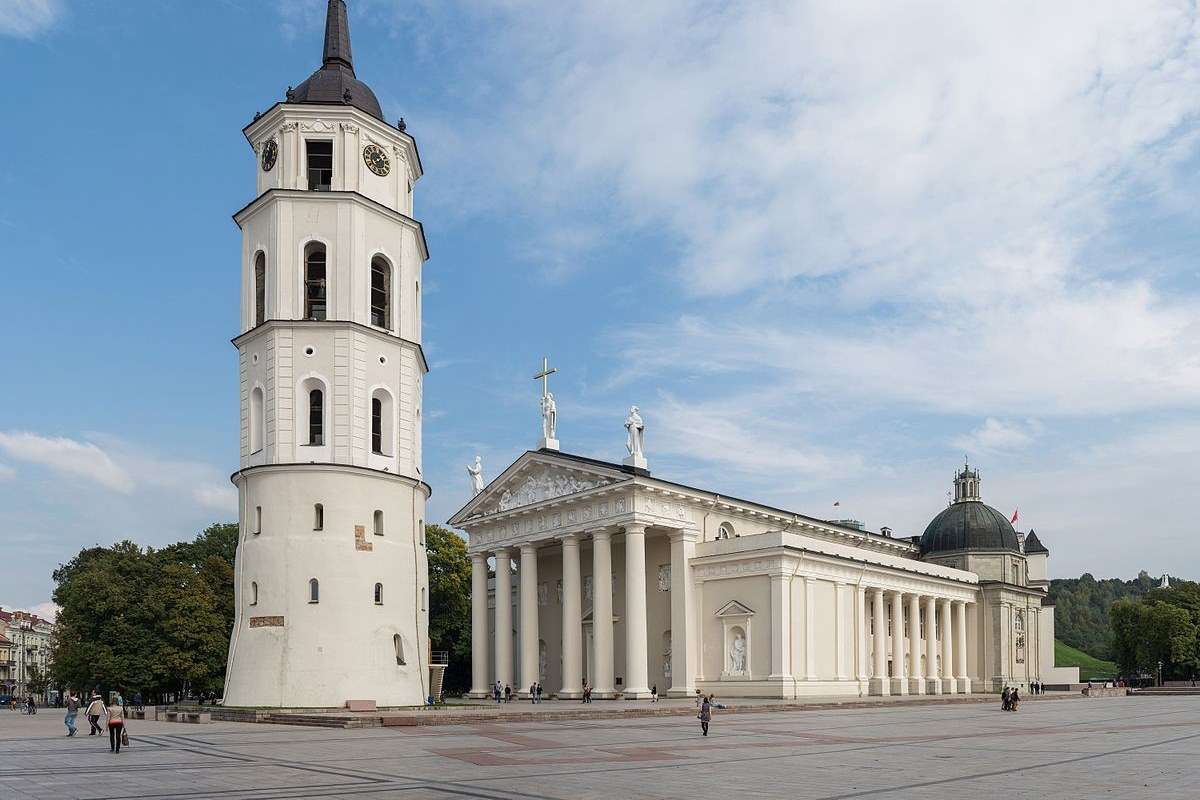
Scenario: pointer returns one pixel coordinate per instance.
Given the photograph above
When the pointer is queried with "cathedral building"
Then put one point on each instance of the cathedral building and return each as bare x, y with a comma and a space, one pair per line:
611, 577
331, 575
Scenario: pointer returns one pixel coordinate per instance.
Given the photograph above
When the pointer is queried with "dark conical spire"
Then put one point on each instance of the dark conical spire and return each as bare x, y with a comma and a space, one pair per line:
337, 37
334, 83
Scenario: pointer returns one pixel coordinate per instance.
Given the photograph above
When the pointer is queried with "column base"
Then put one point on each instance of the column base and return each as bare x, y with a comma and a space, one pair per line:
933, 685
916, 686
605, 694
948, 686
569, 694
963, 685
637, 694
878, 687
899, 685
682, 691
474, 695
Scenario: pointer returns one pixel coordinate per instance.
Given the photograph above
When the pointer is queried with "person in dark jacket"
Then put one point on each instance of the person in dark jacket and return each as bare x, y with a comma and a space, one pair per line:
705, 715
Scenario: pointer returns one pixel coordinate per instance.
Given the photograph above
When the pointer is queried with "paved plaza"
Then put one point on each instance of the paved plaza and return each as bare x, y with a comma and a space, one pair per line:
1069, 748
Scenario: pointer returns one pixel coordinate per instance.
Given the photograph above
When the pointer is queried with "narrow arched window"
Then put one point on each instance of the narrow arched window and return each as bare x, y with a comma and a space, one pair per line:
314, 591
316, 417
253, 593
379, 594
257, 520
256, 419
260, 288
318, 517
376, 425
381, 293
379, 523
398, 646
315, 286
423, 598
421, 530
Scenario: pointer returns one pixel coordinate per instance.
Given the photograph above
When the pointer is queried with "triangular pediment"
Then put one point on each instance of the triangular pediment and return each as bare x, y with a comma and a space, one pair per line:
735, 609
537, 477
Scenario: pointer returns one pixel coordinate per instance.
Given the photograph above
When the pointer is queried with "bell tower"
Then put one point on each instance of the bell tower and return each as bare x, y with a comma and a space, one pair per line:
966, 484
331, 573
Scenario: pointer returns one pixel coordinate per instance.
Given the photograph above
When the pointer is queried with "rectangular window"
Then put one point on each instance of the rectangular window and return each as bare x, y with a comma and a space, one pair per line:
380, 307
257, 520
320, 165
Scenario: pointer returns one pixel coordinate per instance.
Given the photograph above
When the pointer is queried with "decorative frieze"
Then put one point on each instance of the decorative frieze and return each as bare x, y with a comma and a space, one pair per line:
266, 622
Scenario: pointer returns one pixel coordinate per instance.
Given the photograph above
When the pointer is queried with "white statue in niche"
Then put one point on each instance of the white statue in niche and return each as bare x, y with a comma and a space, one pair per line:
664, 577
737, 654
549, 416
543, 594
667, 656
476, 473
541, 660
558, 589
636, 432
587, 588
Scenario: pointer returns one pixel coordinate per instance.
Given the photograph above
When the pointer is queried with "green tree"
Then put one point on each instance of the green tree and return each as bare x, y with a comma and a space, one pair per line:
1154, 630
450, 602
38, 680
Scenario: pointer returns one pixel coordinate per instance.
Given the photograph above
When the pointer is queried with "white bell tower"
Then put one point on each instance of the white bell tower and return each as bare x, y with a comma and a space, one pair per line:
331, 574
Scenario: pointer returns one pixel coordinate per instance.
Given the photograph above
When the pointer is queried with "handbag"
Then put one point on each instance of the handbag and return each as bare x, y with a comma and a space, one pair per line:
124, 737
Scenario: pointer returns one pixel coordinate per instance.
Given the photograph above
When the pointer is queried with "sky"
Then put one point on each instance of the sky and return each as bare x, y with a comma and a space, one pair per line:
829, 249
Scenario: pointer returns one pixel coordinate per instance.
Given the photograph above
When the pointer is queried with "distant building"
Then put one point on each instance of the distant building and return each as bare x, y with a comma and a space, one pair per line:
24, 644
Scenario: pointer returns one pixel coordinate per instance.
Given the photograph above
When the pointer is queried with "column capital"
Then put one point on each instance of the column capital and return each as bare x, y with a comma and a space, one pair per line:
683, 535
478, 557
635, 528
526, 546
602, 534
501, 552
570, 539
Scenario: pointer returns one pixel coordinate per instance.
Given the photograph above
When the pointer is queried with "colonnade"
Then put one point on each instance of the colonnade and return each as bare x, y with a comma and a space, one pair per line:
636, 683
947, 676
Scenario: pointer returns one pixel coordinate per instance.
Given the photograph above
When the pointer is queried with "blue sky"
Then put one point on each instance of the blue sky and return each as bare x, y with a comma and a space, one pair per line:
828, 249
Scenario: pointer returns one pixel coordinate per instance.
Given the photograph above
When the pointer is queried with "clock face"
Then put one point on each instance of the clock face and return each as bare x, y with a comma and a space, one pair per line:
270, 155
376, 160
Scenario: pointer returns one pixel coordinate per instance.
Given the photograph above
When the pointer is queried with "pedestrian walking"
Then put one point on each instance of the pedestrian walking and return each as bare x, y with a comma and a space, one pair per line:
654, 693
116, 727
539, 692
705, 716
94, 710
507, 693
1014, 699
496, 692
72, 710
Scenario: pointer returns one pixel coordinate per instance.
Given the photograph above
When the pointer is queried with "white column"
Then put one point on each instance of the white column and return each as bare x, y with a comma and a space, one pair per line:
572, 620
504, 655
962, 682
916, 681
810, 653
479, 626
932, 684
861, 672
947, 648
636, 666
781, 628
879, 680
899, 682
840, 631
683, 615
602, 614
529, 618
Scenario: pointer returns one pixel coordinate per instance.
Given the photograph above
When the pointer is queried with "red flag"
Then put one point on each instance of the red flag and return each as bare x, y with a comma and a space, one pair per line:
1016, 514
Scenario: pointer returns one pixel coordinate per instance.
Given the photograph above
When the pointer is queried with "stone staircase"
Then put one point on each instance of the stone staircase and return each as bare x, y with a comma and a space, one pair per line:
1166, 691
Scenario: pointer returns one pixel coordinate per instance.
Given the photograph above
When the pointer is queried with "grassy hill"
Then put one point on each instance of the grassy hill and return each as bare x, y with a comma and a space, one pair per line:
1089, 667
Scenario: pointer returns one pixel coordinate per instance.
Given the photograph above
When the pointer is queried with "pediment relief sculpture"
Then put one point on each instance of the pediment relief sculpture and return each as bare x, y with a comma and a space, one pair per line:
542, 486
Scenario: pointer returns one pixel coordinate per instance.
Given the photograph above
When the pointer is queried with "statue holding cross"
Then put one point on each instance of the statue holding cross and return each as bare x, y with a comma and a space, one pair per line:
549, 409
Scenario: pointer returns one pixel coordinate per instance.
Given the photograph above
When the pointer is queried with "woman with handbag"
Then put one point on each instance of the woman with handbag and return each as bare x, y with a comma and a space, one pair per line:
116, 727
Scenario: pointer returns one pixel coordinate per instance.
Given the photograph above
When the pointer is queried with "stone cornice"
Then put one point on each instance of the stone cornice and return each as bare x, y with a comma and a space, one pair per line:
332, 324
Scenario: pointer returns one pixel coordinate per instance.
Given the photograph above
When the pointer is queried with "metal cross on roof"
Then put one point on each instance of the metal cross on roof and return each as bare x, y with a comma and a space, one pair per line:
545, 374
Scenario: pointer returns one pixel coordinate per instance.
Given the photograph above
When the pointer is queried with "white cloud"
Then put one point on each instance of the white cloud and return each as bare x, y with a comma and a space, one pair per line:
67, 457
7, 472
994, 435
28, 18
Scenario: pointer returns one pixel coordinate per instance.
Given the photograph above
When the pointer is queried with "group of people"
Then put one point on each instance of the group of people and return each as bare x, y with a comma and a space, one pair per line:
535, 692
113, 712
1010, 698
706, 703
1036, 687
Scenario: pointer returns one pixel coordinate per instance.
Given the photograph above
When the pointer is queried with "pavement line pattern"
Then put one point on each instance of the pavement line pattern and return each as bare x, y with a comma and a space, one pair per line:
1125, 747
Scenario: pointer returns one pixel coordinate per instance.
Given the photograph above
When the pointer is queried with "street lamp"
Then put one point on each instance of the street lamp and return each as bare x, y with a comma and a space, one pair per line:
1160, 683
